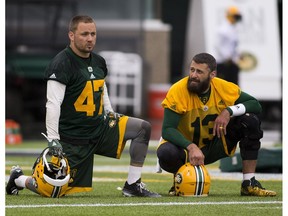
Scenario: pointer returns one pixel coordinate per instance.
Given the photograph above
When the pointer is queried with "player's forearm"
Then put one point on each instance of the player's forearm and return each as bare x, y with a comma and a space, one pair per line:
174, 136
55, 95
52, 120
107, 102
170, 131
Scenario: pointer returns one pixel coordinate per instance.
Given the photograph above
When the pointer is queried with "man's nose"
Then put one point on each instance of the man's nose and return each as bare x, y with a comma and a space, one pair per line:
192, 74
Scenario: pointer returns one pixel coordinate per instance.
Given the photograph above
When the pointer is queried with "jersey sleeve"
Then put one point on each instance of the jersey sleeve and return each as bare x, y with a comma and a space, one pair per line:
228, 91
101, 62
176, 98
58, 69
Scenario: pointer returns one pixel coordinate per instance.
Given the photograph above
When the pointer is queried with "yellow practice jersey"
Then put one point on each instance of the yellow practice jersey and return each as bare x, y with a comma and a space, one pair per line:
197, 122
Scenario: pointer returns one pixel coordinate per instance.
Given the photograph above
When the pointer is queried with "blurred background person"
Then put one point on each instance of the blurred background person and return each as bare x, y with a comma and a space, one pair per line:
226, 46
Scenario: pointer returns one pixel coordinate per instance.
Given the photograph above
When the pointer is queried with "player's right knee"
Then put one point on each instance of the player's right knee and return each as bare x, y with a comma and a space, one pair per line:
168, 158
164, 153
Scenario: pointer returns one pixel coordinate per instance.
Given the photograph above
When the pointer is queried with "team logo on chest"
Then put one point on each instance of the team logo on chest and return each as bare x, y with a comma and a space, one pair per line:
205, 108
90, 69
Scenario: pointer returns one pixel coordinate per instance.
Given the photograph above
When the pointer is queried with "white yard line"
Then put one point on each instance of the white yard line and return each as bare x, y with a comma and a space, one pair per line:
144, 204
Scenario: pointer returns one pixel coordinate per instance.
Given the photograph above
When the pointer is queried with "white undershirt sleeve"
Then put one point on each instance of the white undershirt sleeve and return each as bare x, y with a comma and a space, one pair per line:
106, 100
55, 96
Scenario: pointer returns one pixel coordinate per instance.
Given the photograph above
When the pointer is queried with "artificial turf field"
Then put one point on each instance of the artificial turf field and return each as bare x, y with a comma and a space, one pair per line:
110, 174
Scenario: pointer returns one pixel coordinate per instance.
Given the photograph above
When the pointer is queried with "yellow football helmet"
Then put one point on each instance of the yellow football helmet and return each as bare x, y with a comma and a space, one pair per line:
51, 174
192, 181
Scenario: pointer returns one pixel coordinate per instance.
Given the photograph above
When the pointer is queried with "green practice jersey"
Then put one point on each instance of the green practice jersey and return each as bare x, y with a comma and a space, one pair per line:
82, 106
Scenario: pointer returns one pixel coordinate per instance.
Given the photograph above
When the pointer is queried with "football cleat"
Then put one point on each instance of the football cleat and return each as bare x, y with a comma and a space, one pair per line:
138, 189
253, 188
11, 187
172, 191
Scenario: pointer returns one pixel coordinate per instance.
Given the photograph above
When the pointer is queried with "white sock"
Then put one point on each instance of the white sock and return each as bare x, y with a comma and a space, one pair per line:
134, 174
248, 176
20, 181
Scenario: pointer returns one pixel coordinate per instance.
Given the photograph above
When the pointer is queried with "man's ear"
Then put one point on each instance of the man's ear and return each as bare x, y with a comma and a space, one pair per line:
71, 35
213, 74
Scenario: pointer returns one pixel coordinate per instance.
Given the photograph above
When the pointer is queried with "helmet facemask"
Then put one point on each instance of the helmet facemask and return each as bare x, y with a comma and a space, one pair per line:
51, 174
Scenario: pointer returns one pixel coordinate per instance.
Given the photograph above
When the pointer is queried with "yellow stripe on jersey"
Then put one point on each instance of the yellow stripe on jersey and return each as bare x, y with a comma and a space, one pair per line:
226, 147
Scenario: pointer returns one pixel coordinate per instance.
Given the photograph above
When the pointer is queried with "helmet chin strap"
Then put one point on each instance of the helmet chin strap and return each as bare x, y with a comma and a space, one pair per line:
45, 160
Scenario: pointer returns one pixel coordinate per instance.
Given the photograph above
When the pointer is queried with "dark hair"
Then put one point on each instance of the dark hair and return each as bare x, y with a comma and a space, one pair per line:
206, 58
77, 19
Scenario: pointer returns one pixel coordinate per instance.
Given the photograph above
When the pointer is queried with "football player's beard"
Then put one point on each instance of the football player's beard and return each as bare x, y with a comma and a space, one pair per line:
198, 87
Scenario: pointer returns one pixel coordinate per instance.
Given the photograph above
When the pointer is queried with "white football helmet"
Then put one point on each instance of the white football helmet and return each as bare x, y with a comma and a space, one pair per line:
51, 174
192, 181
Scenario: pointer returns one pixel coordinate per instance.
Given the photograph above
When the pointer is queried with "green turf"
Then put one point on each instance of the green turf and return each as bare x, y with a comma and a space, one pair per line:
224, 198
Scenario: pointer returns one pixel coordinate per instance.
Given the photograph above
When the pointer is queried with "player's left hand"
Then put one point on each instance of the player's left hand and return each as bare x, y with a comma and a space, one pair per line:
221, 123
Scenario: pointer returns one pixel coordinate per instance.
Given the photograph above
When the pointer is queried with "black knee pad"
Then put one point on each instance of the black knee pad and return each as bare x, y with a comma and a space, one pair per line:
251, 133
171, 157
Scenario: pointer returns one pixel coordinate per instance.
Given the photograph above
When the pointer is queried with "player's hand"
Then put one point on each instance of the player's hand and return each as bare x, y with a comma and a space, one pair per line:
55, 148
196, 157
113, 118
221, 123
